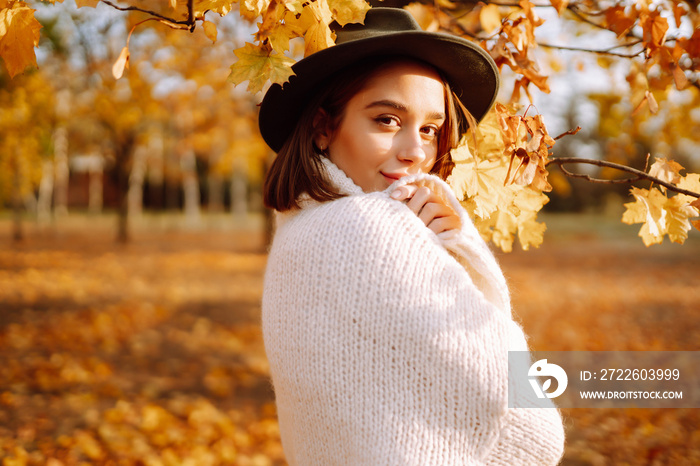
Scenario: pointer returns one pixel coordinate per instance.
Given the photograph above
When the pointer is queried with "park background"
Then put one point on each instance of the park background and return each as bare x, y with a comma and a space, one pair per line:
133, 245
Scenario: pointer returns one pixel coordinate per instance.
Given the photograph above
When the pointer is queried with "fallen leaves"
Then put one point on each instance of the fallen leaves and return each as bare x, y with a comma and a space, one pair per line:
115, 357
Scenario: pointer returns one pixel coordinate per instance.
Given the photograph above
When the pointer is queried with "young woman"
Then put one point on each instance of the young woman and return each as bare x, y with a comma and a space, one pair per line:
386, 319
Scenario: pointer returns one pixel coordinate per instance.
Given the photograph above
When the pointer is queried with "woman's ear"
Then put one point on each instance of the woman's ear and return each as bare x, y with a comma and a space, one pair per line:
322, 130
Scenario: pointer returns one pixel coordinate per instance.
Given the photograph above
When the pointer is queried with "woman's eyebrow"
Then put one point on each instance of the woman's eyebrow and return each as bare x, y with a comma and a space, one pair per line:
401, 107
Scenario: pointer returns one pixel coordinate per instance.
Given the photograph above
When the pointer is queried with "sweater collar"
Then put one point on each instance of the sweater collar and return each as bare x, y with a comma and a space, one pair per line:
339, 179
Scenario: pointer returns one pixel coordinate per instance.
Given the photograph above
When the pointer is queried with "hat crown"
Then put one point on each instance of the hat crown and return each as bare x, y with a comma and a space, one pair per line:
381, 22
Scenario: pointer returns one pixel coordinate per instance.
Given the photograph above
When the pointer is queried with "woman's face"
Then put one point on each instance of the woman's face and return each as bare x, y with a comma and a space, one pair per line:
390, 128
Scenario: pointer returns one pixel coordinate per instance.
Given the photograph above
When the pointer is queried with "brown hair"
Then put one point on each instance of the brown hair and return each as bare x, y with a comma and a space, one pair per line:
298, 168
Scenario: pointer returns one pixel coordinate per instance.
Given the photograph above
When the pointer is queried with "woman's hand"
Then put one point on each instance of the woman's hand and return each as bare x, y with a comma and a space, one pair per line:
432, 209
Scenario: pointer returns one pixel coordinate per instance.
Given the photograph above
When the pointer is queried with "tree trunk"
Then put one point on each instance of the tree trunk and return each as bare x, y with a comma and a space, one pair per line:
95, 198
43, 205
216, 192
190, 186
156, 164
239, 187
122, 154
17, 230
136, 179
61, 172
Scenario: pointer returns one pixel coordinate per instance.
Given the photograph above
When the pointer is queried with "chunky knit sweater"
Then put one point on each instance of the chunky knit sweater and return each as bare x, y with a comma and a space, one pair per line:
388, 343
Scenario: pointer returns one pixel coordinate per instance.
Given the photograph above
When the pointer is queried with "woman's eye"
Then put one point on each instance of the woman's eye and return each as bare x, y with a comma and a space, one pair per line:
387, 120
430, 131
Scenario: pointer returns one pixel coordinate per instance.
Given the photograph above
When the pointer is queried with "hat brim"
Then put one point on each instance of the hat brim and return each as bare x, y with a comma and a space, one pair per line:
471, 73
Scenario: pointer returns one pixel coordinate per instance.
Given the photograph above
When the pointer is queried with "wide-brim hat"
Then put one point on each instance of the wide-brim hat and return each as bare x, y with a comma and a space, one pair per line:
470, 71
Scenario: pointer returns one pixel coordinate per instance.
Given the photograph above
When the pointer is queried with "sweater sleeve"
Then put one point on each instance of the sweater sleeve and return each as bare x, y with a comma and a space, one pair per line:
466, 244
521, 429
382, 349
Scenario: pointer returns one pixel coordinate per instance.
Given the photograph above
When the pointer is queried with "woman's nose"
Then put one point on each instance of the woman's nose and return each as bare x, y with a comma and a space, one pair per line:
412, 147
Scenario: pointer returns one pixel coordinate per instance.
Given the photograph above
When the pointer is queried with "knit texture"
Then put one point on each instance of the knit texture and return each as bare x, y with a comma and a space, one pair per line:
388, 344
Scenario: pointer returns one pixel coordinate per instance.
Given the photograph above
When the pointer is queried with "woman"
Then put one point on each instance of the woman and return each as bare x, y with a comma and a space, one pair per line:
386, 319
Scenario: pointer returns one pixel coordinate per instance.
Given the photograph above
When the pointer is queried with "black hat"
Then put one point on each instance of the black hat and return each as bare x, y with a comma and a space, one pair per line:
469, 69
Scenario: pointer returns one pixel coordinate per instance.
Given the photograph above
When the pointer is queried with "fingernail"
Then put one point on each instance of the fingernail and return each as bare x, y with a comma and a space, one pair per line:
396, 194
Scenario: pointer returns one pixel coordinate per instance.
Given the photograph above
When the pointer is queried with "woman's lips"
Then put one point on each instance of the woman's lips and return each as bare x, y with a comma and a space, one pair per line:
393, 176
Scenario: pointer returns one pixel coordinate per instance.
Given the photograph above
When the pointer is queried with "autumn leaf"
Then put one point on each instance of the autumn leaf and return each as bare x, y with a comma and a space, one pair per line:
649, 101
222, 7
618, 21
678, 215
251, 9
490, 18
530, 231
257, 64
690, 182
560, 5
314, 25
19, 34
666, 170
348, 11
648, 209
500, 210
210, 30
679, 77
121, 63
654, 28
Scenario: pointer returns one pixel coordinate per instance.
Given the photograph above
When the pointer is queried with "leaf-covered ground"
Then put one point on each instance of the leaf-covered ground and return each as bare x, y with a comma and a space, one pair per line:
151, 353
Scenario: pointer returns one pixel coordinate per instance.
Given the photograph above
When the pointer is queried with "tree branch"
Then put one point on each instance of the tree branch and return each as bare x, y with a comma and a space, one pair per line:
638, 174
600, 52
188, 23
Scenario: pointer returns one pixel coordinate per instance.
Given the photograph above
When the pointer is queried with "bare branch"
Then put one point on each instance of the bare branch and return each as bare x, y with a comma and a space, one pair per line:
190, 14
600, 52
570, 132
638, 174
173, 23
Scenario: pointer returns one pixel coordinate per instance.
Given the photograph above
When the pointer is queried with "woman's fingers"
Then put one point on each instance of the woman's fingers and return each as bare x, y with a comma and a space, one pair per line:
420, 198
433, 210
404, 192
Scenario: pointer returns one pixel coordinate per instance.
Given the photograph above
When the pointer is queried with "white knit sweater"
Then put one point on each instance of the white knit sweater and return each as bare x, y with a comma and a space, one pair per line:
388, 344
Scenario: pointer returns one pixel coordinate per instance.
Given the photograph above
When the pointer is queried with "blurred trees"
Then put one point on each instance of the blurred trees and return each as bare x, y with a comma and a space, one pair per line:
650, 52
172, 132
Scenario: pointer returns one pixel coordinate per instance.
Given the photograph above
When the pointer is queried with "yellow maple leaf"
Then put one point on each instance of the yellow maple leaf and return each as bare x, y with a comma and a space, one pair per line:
666, 170
530, 231
648, 209
504, 228
529, 202
251, 9
19, 34
482, 184
348, 11
678, 219
691, 182
257, 64
313, 23
317, 37
222, 7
